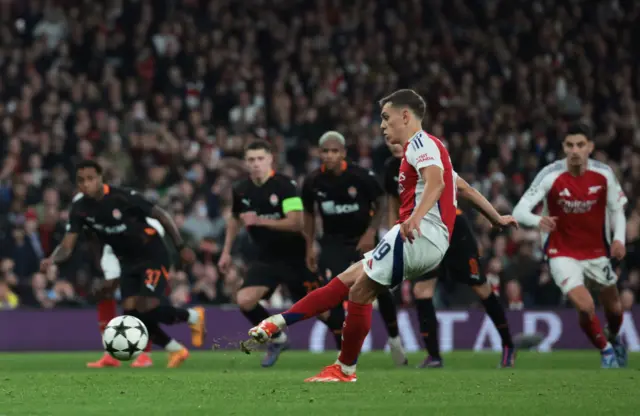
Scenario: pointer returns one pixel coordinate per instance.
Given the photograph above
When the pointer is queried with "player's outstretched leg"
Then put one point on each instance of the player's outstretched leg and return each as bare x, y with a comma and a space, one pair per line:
423, 291
590, 324
106, 312
195, 317
610, 298
313, 304
495, 310
248, 299
177, 352
356, 327
389, 315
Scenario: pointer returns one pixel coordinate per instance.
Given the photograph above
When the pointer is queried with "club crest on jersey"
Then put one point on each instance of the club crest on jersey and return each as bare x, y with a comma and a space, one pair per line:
353, 192
116, 214
274, 199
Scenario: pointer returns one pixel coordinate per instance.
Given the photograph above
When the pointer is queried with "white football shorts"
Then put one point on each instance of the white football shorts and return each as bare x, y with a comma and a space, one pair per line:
394, 260
569, 273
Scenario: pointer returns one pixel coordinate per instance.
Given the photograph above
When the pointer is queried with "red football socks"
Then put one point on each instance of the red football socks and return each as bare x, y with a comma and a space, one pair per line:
106, 312
592, 328
356, 327
316, 302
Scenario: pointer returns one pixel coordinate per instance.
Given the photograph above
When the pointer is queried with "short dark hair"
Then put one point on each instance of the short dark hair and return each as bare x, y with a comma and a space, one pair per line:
406, 98
580, 128
259, 145
89, 164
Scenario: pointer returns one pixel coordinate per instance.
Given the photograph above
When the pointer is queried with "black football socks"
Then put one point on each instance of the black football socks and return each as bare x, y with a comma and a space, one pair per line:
156, 334
496, 312
334, 322
428, 326
388, 311
168, 315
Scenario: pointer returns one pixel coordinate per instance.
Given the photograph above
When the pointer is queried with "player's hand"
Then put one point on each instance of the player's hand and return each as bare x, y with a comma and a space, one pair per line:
367, 242
408, 227
312, 260
249, 218
506, 221
548, 224
45, 264
187, 255
224, 262
618, 250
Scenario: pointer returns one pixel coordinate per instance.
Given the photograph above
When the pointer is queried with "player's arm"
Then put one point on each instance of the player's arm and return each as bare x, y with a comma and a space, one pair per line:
425, 157
616, 201
532, 197
481, 203
231, 232
65, 249
309, 218
393, 206
379, 202
291, 208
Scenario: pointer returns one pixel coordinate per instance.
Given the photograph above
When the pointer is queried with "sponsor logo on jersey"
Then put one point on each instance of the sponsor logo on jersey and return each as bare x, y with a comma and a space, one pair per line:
246, 201
274, 199
401, 179
424, 158
576, 207
331, 208
352, 191
116, 214
594, 189
274, 216
116, 229
321, 194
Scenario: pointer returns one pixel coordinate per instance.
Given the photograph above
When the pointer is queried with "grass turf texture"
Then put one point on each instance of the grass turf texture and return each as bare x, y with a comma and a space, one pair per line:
231, 383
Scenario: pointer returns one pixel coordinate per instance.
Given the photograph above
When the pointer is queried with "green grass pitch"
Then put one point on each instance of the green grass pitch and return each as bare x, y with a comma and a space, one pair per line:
230, 383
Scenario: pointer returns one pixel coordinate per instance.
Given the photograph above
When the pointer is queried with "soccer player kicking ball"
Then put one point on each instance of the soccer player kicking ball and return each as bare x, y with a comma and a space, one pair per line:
413, 247
350, 201
460, 263
118, 218
581, 199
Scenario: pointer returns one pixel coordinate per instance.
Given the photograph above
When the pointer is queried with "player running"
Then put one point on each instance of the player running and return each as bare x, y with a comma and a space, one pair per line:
460, 263
413, 247
351, 203
581, 199
269, 206
118, 218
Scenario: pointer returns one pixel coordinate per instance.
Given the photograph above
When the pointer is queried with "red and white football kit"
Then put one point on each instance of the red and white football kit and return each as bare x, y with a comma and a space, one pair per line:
393, 259
586, 207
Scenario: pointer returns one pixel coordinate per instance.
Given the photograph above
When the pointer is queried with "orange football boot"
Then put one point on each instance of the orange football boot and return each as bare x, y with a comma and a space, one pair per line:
199, 329
332, 374
105, 361
143, 361
177, 358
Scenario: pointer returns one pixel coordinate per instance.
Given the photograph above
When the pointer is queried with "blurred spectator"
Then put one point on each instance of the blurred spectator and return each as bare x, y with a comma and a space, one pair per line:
165, 94
8, 299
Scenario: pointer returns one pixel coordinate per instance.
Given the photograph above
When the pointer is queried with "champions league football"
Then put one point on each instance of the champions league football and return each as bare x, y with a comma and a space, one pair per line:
125, 337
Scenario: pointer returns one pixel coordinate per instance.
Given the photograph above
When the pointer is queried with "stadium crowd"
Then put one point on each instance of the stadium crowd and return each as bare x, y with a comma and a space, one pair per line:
165, 95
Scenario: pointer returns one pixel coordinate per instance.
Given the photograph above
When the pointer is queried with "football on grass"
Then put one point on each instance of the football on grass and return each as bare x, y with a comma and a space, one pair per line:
125, 337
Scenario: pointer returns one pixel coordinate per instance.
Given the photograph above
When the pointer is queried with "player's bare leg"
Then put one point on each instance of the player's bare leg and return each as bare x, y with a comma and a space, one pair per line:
423, 291
107, 310
495, 310
248, 299
583, 302
610, 299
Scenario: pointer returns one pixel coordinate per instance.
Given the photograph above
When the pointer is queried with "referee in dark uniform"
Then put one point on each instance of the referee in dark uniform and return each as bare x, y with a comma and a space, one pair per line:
270, 207
350, 201
460, 263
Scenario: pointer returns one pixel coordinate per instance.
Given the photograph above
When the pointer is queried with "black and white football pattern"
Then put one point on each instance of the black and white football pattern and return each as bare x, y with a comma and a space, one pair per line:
125, 337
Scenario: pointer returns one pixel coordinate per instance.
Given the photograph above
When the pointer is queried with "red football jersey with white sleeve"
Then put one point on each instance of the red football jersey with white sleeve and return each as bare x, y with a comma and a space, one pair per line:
421, 151
582, 205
